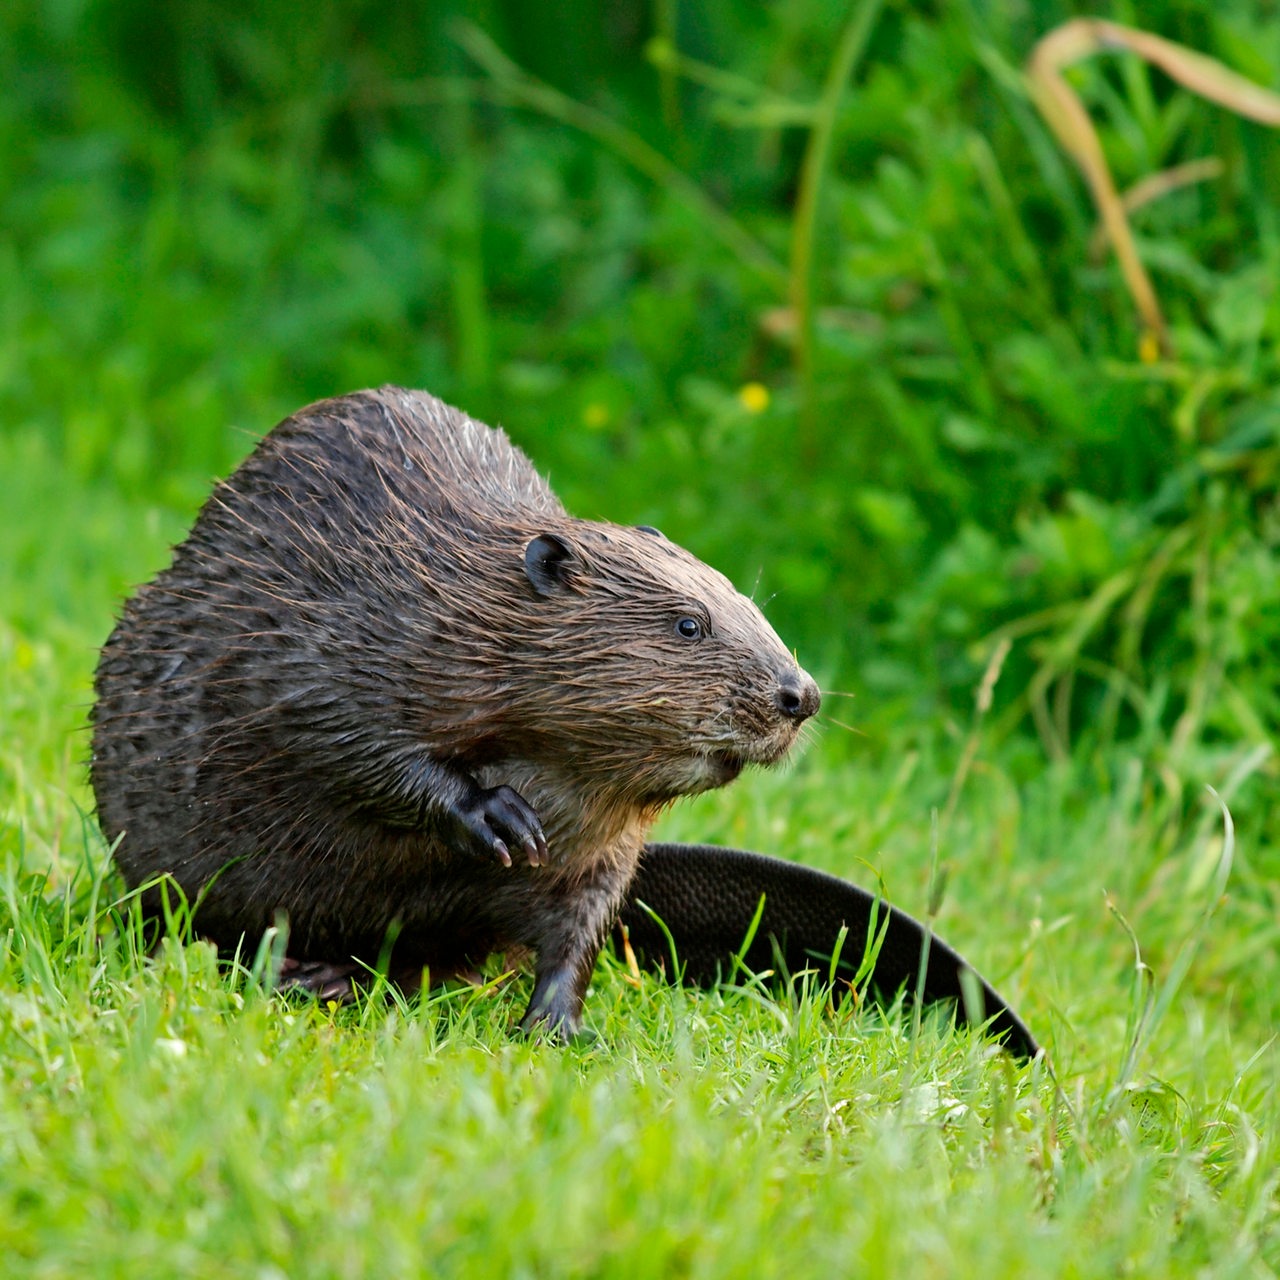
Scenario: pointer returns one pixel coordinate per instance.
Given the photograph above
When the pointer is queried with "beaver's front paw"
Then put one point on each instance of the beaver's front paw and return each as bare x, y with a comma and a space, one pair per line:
492, 822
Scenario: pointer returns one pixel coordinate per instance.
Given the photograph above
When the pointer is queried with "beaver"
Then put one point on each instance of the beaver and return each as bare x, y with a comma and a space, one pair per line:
391, 691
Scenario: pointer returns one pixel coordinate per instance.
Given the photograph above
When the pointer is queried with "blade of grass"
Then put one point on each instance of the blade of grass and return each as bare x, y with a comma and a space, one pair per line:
742, 102
982, 699
1066, 116
848, 52
1155, 186
1152, 1002
664, 20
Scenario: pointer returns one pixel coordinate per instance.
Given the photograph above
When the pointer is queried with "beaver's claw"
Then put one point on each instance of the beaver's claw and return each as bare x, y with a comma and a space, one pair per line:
494, 821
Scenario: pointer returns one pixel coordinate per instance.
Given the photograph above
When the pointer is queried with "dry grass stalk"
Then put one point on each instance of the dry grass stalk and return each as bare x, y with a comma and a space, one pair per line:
1067, 117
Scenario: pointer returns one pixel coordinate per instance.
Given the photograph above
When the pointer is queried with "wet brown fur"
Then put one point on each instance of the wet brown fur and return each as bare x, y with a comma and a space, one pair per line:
351, 632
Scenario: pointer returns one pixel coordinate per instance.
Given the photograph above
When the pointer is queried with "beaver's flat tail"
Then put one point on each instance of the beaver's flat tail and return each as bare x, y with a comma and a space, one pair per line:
707, 896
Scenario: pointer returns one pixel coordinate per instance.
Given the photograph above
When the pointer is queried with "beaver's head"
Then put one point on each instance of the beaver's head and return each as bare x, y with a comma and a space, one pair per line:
646, 666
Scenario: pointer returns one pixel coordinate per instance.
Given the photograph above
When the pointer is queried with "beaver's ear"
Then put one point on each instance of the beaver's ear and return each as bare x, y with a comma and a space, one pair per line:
549, 562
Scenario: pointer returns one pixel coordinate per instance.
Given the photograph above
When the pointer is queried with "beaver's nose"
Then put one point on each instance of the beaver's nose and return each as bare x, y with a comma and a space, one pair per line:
797, 695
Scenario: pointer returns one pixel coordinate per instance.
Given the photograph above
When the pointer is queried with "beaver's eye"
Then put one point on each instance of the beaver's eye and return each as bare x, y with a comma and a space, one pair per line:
689, 628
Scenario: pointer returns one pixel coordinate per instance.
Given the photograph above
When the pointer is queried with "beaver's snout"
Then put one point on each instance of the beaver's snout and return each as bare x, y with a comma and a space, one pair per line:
797, 696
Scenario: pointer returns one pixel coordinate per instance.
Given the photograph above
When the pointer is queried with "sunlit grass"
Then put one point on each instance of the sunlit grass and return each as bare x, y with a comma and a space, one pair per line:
160, 1114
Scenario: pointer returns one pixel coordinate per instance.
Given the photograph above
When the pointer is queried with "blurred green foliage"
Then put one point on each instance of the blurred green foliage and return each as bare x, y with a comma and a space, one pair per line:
215, 212
591, 222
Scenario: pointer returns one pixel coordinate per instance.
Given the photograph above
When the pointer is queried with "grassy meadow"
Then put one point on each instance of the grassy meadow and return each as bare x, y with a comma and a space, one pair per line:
818, 290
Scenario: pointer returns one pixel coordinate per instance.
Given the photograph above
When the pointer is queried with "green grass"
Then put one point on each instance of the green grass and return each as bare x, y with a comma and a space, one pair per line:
160, 1117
